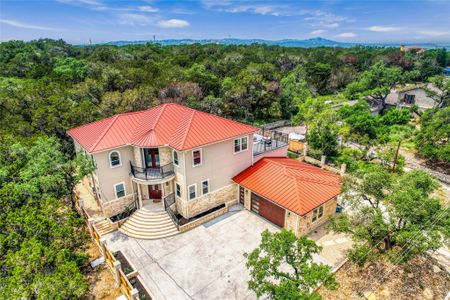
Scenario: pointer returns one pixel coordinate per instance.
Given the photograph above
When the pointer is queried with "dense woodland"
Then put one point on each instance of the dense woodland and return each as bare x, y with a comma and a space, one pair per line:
49, 86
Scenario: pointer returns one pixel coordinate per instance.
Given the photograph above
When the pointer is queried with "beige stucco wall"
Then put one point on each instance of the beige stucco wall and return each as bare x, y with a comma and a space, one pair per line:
219, 164
108, 177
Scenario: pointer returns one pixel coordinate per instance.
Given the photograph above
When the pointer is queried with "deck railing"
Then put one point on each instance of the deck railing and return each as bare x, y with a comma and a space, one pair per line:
169, 200
152, 173
270, 140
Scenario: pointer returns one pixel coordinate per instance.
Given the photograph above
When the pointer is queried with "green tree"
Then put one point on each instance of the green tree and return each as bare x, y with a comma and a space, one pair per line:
432, 141
282, 267
376, 83
323, 137
294, 91
392, 216
40, 245
440, 92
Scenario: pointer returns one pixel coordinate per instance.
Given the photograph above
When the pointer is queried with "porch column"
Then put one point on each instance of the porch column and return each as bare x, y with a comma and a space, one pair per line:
139, 195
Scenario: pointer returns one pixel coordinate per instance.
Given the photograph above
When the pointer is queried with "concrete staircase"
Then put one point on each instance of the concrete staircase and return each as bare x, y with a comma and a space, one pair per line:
103, 227
149, 225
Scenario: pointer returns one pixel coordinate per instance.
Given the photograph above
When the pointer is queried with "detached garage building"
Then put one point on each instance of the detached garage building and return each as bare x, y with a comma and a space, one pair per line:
289, 193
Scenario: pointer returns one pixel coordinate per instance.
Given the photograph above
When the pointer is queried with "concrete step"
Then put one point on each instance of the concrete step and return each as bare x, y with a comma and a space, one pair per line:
147, 231
146, 224
103, 227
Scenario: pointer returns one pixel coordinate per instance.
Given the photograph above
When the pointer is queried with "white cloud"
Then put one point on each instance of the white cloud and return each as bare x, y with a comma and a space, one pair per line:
329, 25
345, 35
173, 23
147, 8
435, 33
134, 19
380, 28
25, 25
317, 32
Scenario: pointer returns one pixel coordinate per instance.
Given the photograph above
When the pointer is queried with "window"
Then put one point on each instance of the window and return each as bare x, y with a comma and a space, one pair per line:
205, 187
317, 214
244, 143
192, 189
119, 188
178, 190
197, 157
237, 145
175, 158
114, 159
409, 99
314, 218
240, 144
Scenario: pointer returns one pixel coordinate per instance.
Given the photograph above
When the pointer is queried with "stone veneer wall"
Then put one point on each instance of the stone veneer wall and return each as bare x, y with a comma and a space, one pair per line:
137, 157
165, 156
116, 206
191, 208
291, 222
305, 225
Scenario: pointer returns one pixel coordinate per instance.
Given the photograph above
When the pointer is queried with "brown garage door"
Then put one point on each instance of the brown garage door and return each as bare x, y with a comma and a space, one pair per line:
268, 210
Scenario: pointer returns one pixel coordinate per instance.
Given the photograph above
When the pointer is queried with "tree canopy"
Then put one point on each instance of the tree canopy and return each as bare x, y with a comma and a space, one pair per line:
282, 267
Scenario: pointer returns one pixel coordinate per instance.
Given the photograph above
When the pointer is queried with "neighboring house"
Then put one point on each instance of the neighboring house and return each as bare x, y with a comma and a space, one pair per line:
289, 193
446, 71
173, 158
410, 95
415, 49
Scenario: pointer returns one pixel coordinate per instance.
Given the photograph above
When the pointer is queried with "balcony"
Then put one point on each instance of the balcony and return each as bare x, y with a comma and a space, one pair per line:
268, 140
152, 173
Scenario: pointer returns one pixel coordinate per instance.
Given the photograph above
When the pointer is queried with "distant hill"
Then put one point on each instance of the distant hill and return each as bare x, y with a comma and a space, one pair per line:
308, 43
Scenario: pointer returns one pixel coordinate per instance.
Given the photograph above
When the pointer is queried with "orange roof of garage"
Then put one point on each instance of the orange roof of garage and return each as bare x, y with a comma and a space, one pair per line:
292, 184
170, 124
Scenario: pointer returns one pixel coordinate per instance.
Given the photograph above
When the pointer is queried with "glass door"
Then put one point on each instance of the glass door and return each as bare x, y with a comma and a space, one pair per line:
151, 156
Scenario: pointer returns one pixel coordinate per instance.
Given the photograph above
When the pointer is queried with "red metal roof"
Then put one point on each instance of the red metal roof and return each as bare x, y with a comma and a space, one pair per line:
169, 124
292, 184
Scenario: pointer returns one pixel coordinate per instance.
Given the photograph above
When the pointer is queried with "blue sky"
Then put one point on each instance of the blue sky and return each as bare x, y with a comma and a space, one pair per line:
77, 21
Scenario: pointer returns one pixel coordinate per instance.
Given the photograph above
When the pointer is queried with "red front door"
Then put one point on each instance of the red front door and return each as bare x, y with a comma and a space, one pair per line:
154, 191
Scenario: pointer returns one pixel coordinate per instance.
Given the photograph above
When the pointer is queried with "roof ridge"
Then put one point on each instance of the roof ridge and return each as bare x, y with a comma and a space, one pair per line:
158, 117
189, 127
104, 132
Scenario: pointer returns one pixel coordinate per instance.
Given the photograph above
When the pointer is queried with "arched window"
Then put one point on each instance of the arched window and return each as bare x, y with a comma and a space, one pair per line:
114, 159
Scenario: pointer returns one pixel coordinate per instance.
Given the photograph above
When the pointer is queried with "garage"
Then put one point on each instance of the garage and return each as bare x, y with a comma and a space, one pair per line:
268, 210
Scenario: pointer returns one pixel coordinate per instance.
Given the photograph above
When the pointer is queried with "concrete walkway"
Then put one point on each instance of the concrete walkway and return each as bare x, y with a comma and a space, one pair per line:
204, 263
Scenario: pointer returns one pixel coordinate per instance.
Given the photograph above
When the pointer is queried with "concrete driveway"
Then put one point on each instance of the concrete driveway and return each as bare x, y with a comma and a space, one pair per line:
204, 263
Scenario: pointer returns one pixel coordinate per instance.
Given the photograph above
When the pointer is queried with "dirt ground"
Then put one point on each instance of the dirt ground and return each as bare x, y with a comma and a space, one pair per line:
101, 280
421, 278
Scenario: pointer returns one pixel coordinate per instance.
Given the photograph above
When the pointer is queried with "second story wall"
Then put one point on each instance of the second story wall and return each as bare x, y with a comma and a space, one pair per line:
219, 164
108, 176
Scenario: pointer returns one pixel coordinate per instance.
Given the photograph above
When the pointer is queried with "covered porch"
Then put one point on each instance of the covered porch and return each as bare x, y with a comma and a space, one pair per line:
151, 194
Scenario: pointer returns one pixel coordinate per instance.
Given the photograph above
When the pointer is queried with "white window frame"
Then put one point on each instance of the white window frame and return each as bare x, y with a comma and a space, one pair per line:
201, 184
124, 189
174, 152
201, 157
181, 191
110, 161
189, 192
240, 139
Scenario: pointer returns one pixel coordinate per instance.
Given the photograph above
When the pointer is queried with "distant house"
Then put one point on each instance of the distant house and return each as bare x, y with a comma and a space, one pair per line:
446, 71
415, 49
407, 96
